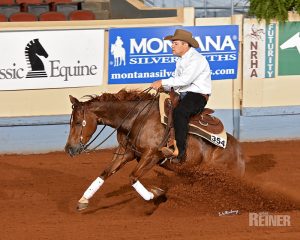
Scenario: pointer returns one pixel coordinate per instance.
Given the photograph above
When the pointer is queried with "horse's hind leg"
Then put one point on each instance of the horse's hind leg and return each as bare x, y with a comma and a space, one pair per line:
121, 157
148, 160
231, 157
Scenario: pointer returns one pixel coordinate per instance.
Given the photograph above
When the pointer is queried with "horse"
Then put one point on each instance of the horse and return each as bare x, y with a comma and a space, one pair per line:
119, 54
33, 50
135, 116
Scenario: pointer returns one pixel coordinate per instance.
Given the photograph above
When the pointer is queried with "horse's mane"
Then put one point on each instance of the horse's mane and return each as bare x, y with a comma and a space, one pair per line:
122, 95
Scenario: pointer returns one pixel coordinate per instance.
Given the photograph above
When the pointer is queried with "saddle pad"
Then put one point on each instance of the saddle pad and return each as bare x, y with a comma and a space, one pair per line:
219, 139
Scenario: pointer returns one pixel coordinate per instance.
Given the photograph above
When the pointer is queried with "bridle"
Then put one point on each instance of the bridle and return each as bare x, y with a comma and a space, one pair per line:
83, 124
83, 147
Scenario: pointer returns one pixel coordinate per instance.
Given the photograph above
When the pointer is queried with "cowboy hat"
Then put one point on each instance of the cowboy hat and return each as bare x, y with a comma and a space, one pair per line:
183, 35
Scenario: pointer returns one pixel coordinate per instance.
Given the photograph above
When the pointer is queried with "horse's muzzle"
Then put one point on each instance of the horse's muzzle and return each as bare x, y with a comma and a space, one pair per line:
73, 150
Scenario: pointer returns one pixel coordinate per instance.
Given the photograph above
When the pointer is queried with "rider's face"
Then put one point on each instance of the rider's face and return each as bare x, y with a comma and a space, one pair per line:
179, 48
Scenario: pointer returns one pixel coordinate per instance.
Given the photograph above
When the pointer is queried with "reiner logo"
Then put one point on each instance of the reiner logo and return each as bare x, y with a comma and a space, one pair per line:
33, 51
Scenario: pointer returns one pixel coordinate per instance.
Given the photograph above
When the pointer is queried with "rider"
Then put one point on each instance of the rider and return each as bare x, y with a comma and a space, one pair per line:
192, 80
119, 42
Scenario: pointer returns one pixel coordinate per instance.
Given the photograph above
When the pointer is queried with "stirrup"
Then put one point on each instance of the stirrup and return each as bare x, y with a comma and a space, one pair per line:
170, 150
172, 160
175, 160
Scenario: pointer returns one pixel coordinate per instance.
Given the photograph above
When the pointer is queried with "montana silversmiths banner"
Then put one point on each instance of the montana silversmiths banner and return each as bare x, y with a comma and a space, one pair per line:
140, 55
51, 59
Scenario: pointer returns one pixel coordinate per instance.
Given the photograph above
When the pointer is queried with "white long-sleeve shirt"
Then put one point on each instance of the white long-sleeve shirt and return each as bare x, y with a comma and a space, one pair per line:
192, 74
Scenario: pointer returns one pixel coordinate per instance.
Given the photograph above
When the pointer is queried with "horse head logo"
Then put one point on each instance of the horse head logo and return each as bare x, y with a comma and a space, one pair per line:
33, 51
118, 52
292, 42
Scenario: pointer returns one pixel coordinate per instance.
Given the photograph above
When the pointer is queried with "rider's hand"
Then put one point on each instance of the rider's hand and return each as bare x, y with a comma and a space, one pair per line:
156, 85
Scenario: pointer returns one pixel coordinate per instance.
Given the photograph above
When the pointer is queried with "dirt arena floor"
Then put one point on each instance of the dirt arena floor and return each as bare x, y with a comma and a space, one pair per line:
39, 194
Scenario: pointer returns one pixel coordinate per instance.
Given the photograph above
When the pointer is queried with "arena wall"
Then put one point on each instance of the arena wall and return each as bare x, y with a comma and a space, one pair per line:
270, 103
252, 109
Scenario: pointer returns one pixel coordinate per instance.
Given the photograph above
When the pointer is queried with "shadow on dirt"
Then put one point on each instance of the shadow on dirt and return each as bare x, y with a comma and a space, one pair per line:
261, 163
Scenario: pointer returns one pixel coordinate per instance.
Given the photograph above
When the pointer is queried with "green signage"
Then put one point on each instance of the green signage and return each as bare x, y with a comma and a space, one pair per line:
270, 51
289, 49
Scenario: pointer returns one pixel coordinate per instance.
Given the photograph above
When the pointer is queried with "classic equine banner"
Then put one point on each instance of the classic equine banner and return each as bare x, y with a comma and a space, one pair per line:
140, 55
51, 59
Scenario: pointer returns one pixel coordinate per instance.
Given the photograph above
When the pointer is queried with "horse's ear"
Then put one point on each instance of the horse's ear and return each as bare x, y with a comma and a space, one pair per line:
73, 100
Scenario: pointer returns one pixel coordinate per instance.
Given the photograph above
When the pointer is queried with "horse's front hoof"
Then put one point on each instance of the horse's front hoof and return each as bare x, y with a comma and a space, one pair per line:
82, 206
157, 192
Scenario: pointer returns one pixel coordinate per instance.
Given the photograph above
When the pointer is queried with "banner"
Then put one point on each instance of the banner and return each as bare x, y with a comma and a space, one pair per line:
51, 59
140, 55
259, 50
270, 50
289, 51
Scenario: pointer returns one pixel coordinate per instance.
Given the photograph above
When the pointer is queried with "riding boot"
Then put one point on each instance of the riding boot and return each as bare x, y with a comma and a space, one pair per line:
179, 158
171, 150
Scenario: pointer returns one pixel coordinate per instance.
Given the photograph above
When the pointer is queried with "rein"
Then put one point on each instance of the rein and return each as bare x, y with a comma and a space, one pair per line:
145, 117
84, 147
87, 145
140, 127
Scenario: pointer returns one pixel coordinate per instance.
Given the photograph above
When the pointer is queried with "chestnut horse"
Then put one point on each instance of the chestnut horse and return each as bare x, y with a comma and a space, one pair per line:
135, 115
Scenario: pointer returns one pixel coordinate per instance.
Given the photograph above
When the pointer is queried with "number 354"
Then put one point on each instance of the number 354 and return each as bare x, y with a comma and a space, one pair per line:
218, 140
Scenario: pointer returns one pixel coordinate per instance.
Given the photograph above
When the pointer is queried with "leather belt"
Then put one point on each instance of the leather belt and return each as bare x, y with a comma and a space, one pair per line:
206, 96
